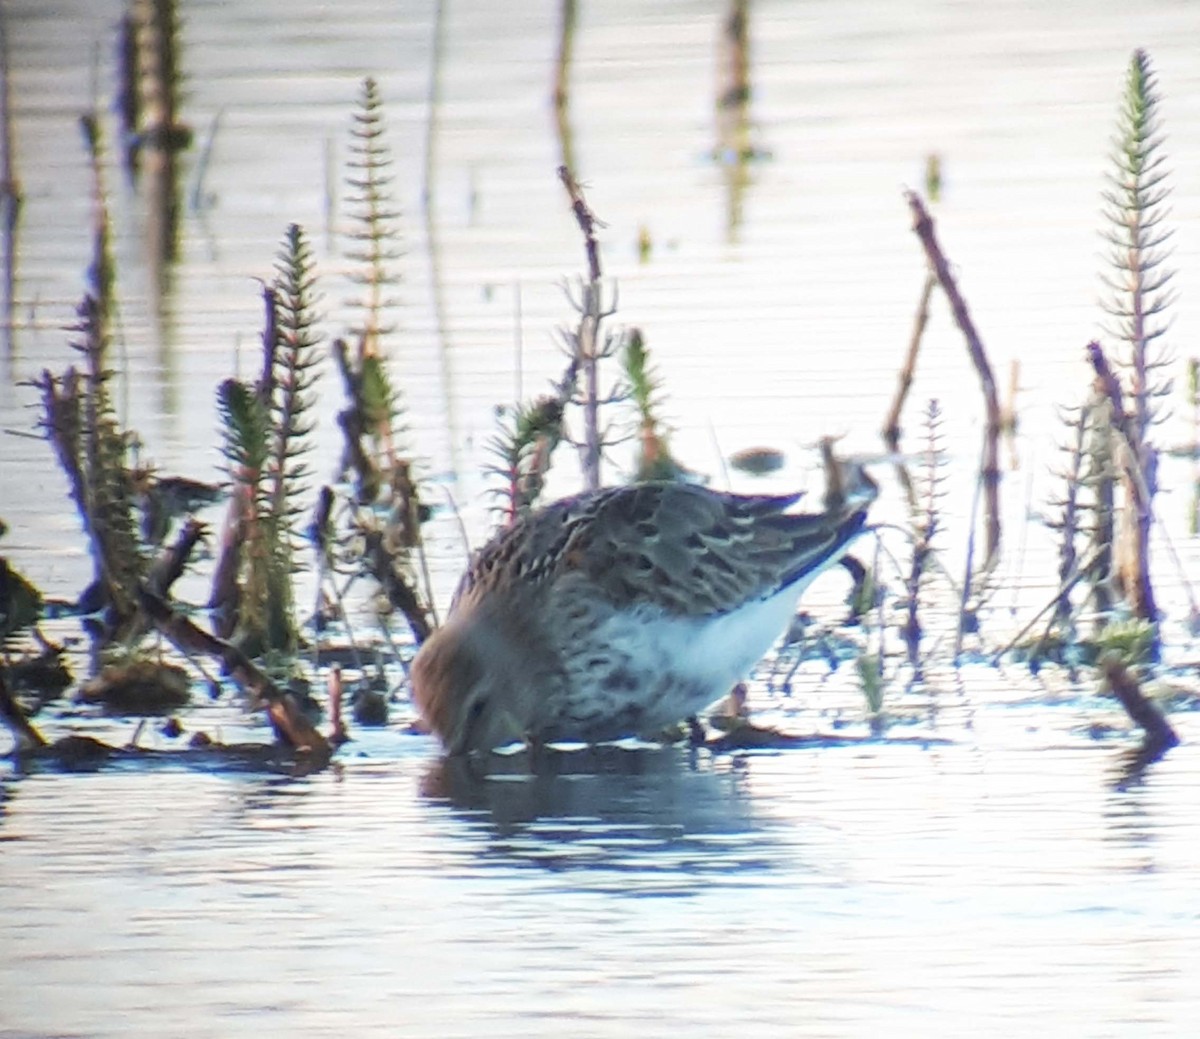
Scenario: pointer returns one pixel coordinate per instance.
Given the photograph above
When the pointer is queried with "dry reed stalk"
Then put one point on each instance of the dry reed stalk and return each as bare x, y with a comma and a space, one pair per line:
1069, 528
1140, 464
1081, 570
170, 564
160, 135
733, 87
1008, 413
1101, 475
562, 92
585, 218
587, 346
338, 733
381, 564
10, 191
891, 424
990, 469
224, 600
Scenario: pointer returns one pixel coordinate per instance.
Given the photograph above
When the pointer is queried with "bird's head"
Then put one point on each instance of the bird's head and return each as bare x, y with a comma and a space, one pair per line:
472, 688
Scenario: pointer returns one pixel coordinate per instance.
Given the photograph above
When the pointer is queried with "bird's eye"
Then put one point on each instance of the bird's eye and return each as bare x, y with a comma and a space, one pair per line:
477, 708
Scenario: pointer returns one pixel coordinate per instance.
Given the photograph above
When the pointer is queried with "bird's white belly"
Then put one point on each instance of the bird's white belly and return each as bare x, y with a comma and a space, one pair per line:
683, 664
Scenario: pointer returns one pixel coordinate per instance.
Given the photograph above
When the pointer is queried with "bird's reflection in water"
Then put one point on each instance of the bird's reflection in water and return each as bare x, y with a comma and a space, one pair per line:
652, 818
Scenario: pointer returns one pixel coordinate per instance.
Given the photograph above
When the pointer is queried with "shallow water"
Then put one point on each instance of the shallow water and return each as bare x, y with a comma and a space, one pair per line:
1004, 876
1000, 884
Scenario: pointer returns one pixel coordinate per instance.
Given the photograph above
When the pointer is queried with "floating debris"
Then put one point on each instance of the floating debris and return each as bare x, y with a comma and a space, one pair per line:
139, 687
758, 461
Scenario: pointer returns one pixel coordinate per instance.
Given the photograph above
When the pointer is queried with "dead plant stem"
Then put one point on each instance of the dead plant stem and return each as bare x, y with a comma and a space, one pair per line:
891, 424
923, 226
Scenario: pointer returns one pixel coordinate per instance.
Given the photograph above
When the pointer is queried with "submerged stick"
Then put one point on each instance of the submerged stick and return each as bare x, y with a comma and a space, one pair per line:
1159, 734
290, 725
380, 563
923, 226
26, 736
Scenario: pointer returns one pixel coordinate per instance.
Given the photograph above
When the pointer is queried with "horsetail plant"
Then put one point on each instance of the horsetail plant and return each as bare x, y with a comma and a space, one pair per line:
925, 525
1083, 514
108, 480
1071, 509
80, 419
654, 459
376, 405
374, 234
523, 447
373, 247
1135, 210
266, 433
387, 513
294, 374
245, 426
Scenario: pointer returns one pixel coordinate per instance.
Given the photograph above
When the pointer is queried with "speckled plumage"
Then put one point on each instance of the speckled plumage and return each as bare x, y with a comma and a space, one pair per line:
621, 612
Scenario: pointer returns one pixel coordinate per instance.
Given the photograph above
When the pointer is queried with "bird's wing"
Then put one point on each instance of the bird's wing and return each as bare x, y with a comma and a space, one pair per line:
696, 552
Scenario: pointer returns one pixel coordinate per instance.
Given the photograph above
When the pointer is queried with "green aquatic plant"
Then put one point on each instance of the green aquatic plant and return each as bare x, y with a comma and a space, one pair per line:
374, 232
1131, 641
531, 432
102, 272
266, 429
644, 390
372, 423
382, 533
368, 421
96, 450
294, 374
245, 428
1138, 283
105, 454
1135, 211
1082, 519
1072, 508
926, 523
79, 420
869, 667
384, 536
523, 448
